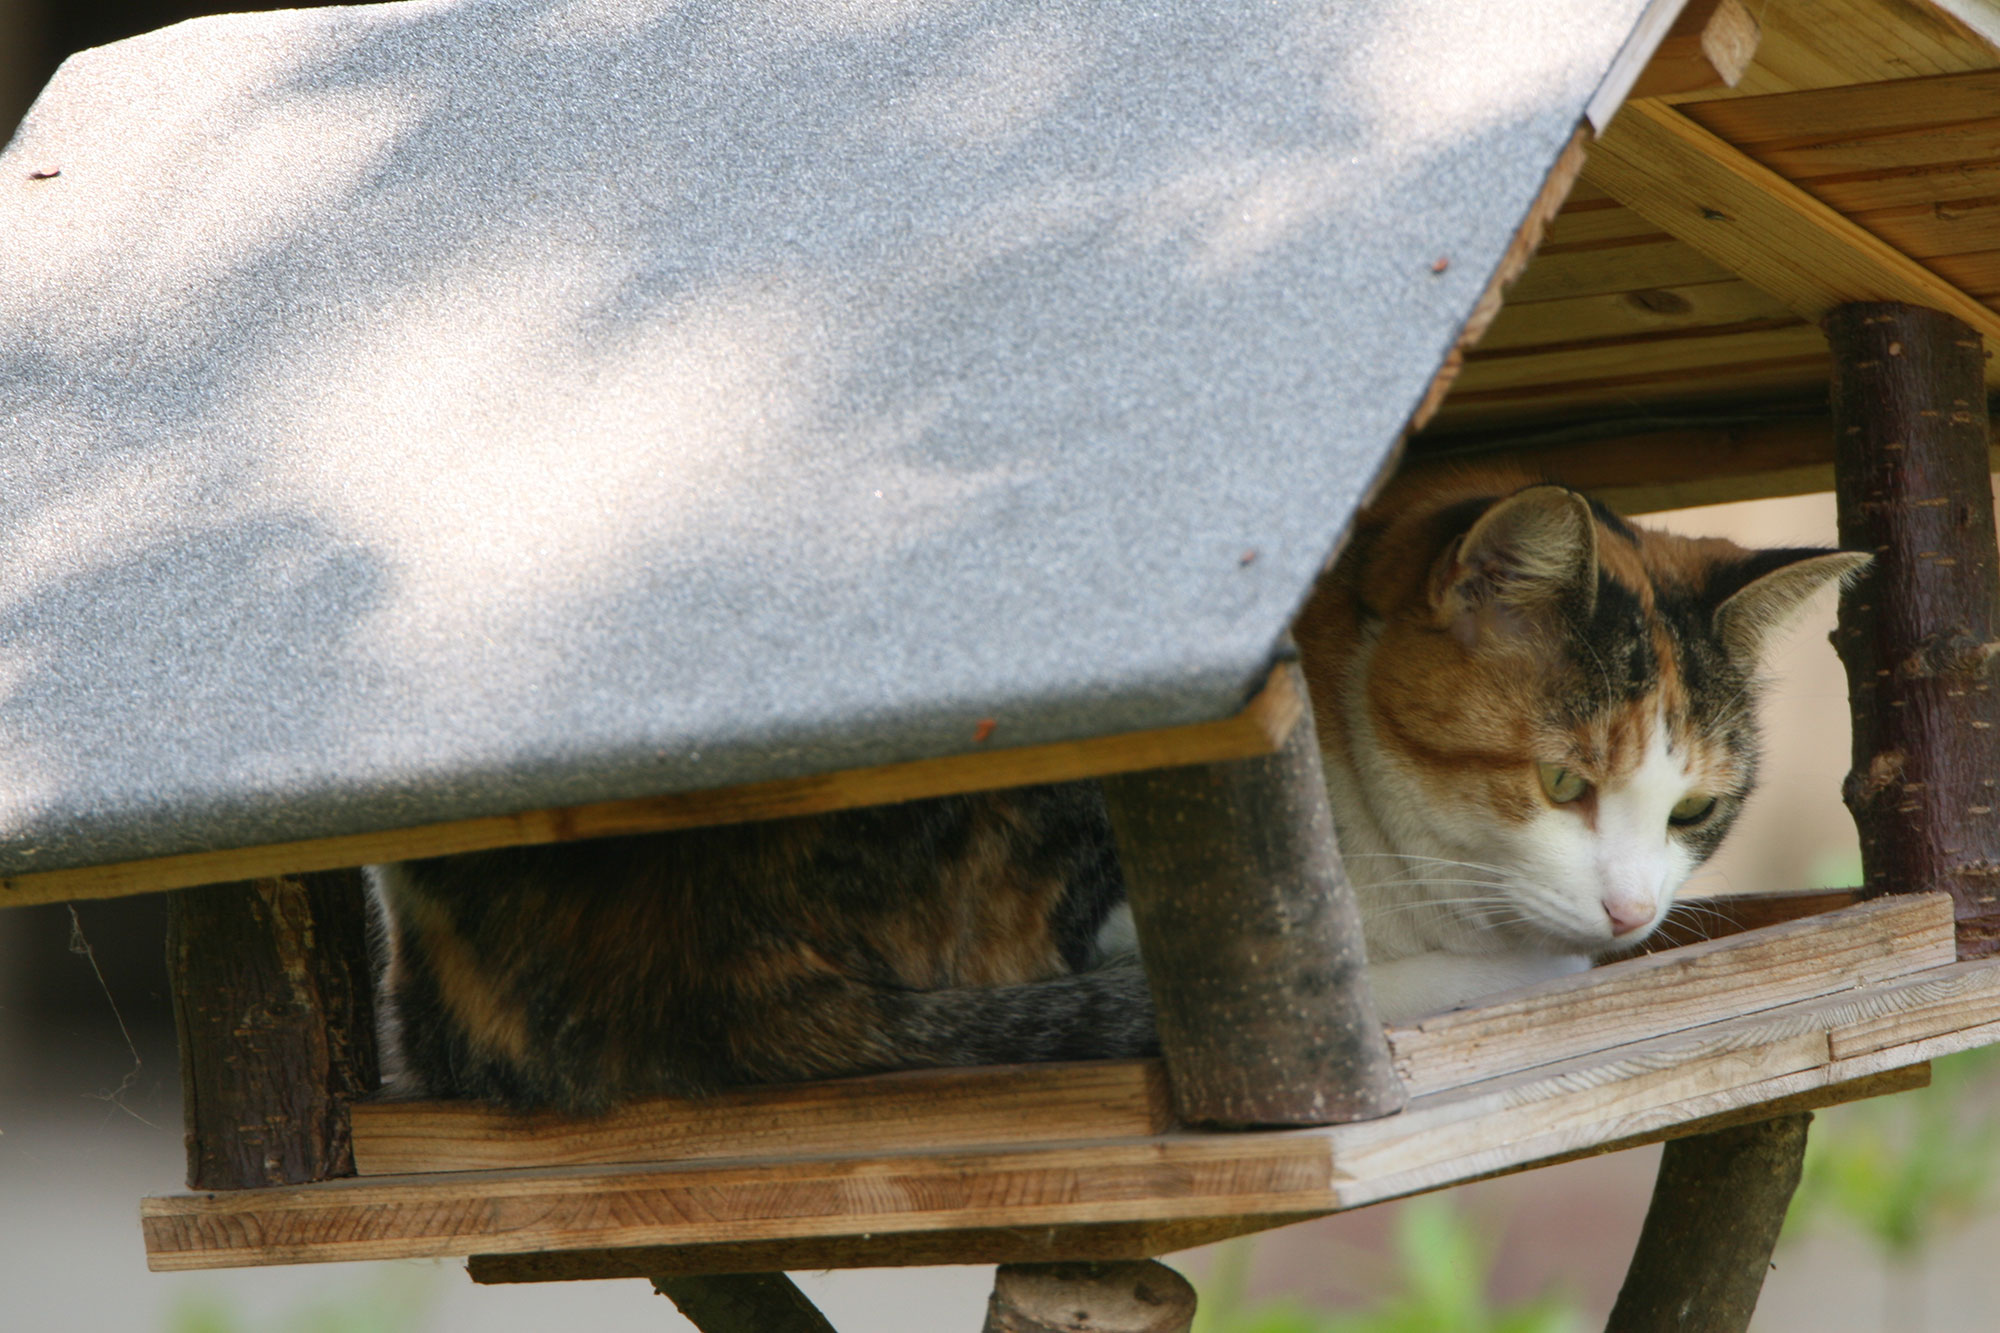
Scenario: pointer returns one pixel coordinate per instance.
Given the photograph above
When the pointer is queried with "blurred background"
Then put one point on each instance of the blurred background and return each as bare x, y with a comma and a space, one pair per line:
1891, 1231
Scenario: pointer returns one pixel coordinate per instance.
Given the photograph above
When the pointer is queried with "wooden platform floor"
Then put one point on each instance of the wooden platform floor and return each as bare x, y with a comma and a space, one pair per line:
1085, 1161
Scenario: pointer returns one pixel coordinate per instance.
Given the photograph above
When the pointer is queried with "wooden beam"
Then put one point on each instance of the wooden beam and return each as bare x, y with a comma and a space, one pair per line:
990, 1245
743, 1303
1645, 1088
1652, 465
1251, 938
1261, 728
1710, 45
935, 1109
1755, 223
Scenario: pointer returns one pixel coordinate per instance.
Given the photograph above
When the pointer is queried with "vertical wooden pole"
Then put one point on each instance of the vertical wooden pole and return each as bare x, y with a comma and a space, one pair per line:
1123, 1296
1708, 1237
275, 1013
1919, 630
1252, 940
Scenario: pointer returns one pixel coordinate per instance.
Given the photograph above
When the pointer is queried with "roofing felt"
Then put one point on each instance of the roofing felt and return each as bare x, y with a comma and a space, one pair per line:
428, 410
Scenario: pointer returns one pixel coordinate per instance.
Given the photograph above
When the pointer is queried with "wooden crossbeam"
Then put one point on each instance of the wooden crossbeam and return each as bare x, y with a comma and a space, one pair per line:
1755, 223
1260, 729
1710, 45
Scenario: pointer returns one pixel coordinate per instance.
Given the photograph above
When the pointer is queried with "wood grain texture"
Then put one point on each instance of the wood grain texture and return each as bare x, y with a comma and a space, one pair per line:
932, 1108
993, 1245
1810, 44
274, 1010
1643, 1089
1919, 630
1103, 1241
1261, 728
1761, 227
1710, 45
1676, 989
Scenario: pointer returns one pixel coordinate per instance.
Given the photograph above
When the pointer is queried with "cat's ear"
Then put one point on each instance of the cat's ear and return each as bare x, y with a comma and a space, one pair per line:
1526, 555
1750, 618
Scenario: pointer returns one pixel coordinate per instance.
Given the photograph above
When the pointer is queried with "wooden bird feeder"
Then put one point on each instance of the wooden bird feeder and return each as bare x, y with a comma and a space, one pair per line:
450, 427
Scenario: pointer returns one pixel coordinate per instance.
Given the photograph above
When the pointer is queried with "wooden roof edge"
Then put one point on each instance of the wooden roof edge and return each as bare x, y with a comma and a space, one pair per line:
1259, 728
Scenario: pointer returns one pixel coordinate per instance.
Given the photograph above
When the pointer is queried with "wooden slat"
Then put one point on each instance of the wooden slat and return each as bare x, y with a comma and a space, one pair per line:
1757, 224
1666, 467
1658, 354
1931, 145
1616, 315
1856, 192
1936, 228
1595, 222
1852, 110
932, 1108
1261, 728
1610, 269
1564, 1109
1677, 989
991, 1245
1831, 43
1070, 1243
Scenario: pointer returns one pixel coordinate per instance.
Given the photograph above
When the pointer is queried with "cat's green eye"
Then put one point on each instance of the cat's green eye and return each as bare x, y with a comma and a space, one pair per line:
1562, 785
1691, 810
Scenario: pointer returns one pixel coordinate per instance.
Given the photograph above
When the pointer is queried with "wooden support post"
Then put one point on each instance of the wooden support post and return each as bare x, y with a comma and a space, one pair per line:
275, 1014
743, 1303
1708, 1237
1252, 940
1920, 629
1128, 1296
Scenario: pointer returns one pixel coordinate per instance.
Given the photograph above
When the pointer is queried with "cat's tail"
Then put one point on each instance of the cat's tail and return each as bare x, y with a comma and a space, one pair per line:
1102, 1014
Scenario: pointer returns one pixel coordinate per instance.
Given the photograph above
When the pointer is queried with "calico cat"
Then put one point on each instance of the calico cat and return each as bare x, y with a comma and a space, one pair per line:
1537, 720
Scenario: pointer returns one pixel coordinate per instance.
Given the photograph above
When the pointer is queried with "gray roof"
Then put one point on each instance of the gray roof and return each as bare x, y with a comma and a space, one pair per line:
438, 409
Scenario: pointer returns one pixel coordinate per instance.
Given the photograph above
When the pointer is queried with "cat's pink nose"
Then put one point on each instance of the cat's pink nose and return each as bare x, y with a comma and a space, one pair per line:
1627, 915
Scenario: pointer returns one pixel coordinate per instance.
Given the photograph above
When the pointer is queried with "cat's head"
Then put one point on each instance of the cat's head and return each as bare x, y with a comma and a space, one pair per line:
1560, 703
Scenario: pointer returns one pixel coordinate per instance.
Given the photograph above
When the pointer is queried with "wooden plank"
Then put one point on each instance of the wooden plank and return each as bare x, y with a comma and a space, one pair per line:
1650, 1086
1710, 46
1727, 914
1595, 222
1937, 227
935, 1109
1771, 385
1934, 145
1674, 990
1657, 354
1851, 110
1103, 1241
994, 1245
1856, 192
1759, 225
1831, 43
1645, 1088
1260, 729
1637, 264
1585, 319
1695, 460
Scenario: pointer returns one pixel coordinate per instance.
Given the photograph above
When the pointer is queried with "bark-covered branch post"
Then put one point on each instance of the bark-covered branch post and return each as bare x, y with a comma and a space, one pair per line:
743, 1303
1919, 630
1717, 1209
1252, 940
276, 1018
1121, 1296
